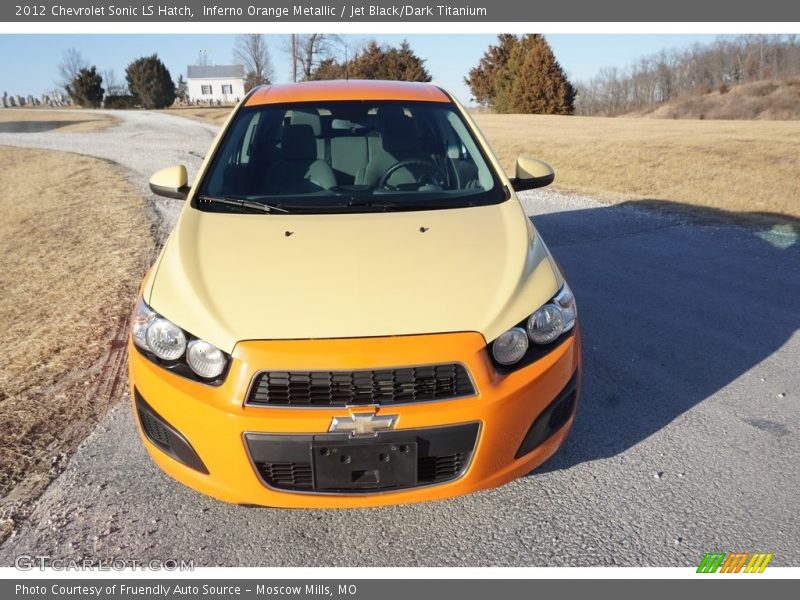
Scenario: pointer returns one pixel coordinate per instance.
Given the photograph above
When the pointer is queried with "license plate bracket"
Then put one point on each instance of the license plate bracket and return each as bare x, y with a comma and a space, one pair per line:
356, 465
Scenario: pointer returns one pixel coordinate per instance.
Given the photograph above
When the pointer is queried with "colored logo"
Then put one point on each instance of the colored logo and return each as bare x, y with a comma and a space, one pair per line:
734, 562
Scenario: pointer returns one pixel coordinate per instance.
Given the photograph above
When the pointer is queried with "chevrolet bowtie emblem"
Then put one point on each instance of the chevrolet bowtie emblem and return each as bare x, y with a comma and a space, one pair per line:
362, 424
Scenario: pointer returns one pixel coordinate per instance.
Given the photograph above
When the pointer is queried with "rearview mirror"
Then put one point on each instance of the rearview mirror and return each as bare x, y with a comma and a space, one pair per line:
532, 173
170, 183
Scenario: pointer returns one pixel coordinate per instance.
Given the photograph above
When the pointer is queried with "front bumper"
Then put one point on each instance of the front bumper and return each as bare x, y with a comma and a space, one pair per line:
511, 417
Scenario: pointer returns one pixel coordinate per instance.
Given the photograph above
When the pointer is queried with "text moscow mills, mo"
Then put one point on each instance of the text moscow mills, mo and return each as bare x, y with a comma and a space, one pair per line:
339, 11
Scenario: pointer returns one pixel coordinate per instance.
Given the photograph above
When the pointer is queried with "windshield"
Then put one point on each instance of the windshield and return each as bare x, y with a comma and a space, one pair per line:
348, 157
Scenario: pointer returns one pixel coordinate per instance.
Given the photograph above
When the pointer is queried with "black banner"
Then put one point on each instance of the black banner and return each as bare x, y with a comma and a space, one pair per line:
397, 589
262, 11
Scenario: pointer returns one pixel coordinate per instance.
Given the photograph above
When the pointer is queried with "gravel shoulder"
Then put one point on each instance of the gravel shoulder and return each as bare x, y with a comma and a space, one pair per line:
685, 442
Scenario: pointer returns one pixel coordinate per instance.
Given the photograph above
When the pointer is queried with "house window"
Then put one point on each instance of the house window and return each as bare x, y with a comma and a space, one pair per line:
227, 89
205, 90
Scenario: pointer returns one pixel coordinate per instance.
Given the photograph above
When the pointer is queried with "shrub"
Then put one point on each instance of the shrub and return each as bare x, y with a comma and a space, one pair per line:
119, 102
86, 88
150, 82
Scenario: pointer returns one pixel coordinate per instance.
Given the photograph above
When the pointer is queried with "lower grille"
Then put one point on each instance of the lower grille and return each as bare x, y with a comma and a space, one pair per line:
165, 437
284, 461
287, 475
299, 477
432, 469
342, 388
154, 428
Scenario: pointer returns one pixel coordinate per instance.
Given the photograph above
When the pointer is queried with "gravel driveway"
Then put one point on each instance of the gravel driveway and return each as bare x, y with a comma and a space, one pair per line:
686, 439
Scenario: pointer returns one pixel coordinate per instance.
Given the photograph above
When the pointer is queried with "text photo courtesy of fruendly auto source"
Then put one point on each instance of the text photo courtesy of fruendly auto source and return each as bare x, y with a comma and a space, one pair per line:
457, 300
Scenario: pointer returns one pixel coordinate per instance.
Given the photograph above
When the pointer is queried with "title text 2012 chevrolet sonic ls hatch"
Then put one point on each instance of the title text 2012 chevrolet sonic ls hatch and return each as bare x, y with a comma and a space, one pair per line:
353, 308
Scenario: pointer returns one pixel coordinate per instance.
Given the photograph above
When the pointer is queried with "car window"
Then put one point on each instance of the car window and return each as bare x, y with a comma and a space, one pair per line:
351, 156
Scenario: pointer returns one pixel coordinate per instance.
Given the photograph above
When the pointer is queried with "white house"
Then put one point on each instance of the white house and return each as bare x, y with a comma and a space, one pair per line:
223, 83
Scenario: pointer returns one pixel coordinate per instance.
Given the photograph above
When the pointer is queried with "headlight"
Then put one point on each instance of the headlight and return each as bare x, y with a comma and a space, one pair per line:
554, 318
183, 354
510, 346
166, 340
142, 318
544, 326
566, 301
206, 360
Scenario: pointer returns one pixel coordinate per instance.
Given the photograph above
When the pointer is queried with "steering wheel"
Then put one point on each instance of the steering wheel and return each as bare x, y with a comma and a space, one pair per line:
432, 168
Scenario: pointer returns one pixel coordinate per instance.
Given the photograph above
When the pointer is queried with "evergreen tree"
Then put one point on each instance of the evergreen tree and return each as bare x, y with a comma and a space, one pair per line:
482, 79
86, 88
401, 64
149, 80
181, 90
377, 62
522, 75
368, 64
534, 82
329, 68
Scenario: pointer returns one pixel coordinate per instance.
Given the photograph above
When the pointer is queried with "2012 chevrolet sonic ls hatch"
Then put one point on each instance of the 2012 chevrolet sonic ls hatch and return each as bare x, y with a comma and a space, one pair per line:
353, 308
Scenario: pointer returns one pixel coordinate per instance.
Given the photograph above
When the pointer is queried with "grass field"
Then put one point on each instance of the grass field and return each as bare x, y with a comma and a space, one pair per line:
216, 115
69, 263
738, 166
70, 121
746, 167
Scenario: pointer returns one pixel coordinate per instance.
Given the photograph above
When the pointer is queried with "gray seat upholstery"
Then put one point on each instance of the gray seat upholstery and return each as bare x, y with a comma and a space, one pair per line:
311, 118
298, 170
349, 157
398, 142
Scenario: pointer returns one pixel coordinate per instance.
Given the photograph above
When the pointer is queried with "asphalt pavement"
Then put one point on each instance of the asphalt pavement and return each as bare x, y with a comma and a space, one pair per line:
686, 439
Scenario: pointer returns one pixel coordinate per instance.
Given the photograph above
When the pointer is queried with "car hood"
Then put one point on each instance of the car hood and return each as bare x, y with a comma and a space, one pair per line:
232, 277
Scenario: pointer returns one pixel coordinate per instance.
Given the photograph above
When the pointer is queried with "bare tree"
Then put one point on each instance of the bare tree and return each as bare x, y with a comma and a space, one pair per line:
251, 50
658, 78
114, 86
202, 58
306, 52
71, 64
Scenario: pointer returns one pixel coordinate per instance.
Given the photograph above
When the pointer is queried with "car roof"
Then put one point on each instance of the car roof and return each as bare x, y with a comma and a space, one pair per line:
351, 89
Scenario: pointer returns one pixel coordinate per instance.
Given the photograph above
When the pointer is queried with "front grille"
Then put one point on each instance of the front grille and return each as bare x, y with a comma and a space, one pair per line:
287, 475
342, 388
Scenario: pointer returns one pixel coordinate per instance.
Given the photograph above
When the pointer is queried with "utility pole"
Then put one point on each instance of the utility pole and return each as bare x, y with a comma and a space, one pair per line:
294, 57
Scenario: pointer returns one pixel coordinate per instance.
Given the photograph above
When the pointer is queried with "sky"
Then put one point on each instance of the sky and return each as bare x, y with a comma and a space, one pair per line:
34, 67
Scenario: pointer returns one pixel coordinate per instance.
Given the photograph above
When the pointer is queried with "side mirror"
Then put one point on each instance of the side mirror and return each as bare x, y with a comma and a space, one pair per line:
532, 173
171, 182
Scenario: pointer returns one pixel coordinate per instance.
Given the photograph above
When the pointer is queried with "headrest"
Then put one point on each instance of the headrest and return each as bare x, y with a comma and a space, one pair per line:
308, 117
388, 114
298, 142
400, 136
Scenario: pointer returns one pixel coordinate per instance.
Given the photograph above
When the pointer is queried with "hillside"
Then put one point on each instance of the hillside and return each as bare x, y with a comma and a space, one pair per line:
762, 100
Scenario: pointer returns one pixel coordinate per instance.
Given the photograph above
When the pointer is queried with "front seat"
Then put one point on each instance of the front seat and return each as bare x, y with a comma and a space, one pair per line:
399, 142
298, 170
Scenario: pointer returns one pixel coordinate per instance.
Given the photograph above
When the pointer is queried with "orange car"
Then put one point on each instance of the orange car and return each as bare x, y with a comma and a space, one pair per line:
353, 308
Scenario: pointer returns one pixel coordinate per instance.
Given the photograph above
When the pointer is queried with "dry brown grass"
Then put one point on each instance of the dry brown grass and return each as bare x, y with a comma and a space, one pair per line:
74, 121
770, 100
74, 240
205, 114
737, 166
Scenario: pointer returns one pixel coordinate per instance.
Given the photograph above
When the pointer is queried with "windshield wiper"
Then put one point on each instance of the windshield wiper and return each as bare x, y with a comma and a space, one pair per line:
243, 203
